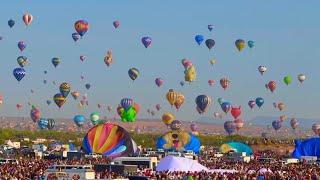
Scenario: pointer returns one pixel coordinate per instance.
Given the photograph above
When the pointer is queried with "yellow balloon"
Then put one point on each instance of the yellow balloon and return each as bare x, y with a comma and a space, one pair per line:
179, 101
212, 62
171, 96
167, 118
240, 44
190, 74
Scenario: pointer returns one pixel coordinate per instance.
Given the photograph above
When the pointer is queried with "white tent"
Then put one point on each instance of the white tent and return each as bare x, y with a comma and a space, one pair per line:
172, 163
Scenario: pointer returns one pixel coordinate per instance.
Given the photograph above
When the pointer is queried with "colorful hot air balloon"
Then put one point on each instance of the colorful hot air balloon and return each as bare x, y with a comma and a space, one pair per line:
230, 127
79, 120
216, 114
175, 125
19, 73
55, 61
212, 62
287, 80
236, 112
294, 123
224, 82
22, 61
48, 102
59, 99
262, 69
199, 39
211, 82
179, 101
146, 41
51, 123
282, 118
35, 114
276, 125
251, 104
281, 106
43, 123
186, 63
87, 86
171, 96
82, 58
316, 129
181, 83
193, 127
158, 107
240, 44
75, 36
108, 58
95, 117
27, 19
210, 27
250, 44
116, 24
301, 78
167, 118
133, 73
259, 101
22, 45
65, 89
75, 95
226, 107
159, 82
203, 102
126, 103
190, 74
239, 124
11, 23
221, 100
272, 85
210, 43
109, 140
81, 27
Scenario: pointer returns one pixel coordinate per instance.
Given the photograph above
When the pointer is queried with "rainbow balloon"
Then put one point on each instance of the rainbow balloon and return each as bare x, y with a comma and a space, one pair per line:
109, 140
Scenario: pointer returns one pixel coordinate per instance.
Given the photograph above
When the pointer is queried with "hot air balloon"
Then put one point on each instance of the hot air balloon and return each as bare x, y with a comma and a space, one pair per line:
108, 58
159, 82
281, 106
81, 26
212, 62
224, 82
276, 125
186, 63
82, 58
259, 101
94, 117
211, 82
55, 61
133, 73
199, 39
146, 41
210, 27
216, 114
27, 19
301, 78
1, 99
75, 95
226, 107
19, 73
294, 123
283, 118
193, 127
65, 89
239, 124
316, 129
109, 108
287, 80
251, 104
230, 127
22, 61
175, 125
179, 101
87, 86
262, 69
11, 23
75, 37
167, 118
240, 44
22, 45
48, 102
250, 44
35, 114
190, 74
272, 85
236, 112
79, 120
43, 123
181, 83
221, 100
116, 24
51, 123
126, 103
171, 96
19, 106
59, 99
203, 102
158, 107
210, 43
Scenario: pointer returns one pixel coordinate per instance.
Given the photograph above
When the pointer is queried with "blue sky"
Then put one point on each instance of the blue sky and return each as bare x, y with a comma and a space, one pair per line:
286, 35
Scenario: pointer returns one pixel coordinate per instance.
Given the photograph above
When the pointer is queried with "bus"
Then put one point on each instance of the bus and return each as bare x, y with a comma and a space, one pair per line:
70, 172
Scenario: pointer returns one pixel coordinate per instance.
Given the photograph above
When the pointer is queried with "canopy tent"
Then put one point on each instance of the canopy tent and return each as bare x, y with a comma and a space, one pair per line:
172, 163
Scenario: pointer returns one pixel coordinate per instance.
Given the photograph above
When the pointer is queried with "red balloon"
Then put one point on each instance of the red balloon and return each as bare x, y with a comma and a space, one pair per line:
272, 85
235, 112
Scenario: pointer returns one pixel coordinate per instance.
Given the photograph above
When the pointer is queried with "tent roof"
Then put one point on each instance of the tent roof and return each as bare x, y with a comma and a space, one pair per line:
172, 163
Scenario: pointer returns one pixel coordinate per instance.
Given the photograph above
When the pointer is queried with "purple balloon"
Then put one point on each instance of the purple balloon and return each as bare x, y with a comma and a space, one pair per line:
159, 82
276, 125
226, 107
126, 103
21, 45
210, 27
230, 127
146, 41
251, 104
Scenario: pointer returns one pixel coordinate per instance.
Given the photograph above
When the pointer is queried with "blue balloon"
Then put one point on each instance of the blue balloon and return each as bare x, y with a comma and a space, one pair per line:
259, 101
126, 103
19, 73
276, 125
45, 81
230, 127
182, 83
251, 44
48, 102
88, 86
11, 23
79, 120
75, 37
43, 123
199, 39
203, 101
226, 106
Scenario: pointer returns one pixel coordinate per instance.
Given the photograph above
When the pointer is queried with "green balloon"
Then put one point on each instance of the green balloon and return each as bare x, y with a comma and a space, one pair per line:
94, 117
129, 115
100, 121
287, 80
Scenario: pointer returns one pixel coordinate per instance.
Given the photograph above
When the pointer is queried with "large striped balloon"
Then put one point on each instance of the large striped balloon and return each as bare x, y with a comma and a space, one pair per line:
109, 140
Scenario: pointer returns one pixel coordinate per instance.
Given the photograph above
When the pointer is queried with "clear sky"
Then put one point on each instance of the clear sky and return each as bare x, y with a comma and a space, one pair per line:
286, 35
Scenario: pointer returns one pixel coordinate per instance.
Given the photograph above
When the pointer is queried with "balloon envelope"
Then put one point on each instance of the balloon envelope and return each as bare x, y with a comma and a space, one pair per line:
199, 39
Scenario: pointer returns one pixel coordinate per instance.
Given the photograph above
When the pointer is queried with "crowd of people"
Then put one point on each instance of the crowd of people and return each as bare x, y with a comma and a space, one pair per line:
33, 168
